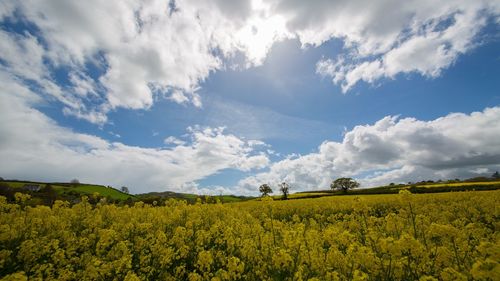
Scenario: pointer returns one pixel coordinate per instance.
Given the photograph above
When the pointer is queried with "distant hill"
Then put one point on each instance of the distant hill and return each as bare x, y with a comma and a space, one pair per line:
191, 198
50, 191
47, 192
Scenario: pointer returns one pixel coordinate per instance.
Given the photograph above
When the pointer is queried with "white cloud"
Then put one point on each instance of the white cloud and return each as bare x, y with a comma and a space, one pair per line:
6, 9
261, 31
139, 50
178, 97
24, 58
396, 150
173, 140
253, 162
23, 55
398, 37
32, 146
142, 48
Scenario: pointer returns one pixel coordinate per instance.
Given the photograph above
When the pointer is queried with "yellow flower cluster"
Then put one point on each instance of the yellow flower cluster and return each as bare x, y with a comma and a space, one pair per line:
449, 236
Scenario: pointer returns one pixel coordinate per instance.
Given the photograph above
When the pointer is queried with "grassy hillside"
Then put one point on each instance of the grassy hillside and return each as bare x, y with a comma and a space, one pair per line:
68, 191
73, 192
102, 190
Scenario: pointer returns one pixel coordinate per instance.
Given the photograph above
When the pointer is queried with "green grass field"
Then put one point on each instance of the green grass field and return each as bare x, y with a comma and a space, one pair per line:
102, 190
66, 188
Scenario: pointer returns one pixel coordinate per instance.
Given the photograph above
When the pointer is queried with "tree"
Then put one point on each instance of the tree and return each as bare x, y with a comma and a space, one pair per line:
496, 175
75, 182
344, 184
124, 189
7, 191
284, 188
48, 194
265, 189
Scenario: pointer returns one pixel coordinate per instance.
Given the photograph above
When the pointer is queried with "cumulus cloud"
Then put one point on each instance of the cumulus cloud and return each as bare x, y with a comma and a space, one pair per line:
23, 57
385, 38
33, 146
396, 150
127, 53
135, 50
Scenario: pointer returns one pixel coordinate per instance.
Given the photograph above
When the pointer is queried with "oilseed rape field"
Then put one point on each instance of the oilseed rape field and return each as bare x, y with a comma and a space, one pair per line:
446, 236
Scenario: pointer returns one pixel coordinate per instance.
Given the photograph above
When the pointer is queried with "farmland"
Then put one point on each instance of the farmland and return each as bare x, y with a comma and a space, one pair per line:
445, 236
422, 187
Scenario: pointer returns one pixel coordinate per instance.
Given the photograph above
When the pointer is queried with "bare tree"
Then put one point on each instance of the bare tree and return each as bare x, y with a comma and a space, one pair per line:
284, 188
124, 189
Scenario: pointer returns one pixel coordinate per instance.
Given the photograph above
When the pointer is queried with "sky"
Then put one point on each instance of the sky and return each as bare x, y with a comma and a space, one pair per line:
219, 97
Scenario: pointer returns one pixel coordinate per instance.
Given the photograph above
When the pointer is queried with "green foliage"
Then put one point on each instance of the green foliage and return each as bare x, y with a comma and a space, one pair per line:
232, 198
344, 184
75, 182
124, 189
265, 189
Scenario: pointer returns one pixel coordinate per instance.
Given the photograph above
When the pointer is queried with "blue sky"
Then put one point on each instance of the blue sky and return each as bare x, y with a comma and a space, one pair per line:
219, 97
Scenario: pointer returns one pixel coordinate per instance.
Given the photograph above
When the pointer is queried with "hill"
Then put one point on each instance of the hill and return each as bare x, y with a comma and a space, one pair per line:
47, 192
189, 197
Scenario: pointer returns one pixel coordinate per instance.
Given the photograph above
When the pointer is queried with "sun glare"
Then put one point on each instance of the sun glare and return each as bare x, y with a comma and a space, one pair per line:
261, 32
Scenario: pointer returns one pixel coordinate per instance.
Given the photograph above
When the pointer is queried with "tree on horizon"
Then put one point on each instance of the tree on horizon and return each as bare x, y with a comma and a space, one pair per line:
265, 189
285, 189
344, 184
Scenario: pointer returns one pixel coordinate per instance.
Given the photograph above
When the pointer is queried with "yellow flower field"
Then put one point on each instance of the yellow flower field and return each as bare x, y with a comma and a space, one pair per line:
450, 236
